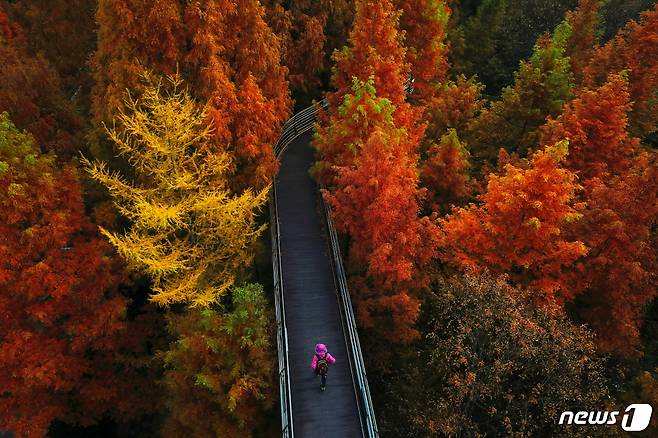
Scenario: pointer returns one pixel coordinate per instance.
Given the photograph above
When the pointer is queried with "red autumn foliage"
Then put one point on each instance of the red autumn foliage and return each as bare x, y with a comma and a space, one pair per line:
595, 123
61, 314
132, 36
425, 23
251, 48
518, 228
375, 58
454, 105
368, 158
585, 21
50, 25
305, 58
635, 49
621, 268
376, 51
376, 202
10, 31
620, 193
300, 27
234, 60
31, 92
255, 133
224, 50
354, 120
445, 173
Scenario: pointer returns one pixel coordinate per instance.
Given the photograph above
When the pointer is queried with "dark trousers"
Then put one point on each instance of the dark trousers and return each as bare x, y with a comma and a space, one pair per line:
323, 378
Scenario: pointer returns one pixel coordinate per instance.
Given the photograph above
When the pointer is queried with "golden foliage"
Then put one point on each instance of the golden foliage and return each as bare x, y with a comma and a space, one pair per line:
188, 232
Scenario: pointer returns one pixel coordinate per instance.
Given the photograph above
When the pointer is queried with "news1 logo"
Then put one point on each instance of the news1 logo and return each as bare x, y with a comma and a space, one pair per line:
636, 417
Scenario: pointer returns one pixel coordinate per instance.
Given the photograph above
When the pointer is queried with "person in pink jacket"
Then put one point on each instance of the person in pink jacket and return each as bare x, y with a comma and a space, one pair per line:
320, 363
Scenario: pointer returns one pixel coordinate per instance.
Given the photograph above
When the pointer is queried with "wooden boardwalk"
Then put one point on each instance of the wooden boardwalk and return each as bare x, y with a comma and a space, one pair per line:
311, 303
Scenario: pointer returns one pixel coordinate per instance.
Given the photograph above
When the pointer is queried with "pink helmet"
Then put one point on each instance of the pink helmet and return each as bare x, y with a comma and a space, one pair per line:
320, 348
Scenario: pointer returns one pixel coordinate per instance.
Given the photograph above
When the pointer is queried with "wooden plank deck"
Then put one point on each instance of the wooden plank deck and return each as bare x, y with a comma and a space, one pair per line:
311, 302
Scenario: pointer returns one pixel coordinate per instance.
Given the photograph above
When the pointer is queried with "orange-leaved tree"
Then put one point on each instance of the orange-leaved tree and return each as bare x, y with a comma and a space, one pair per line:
445, 173
585, 21
518, 227
376, 200
425, 23
224, 50
376, 50
61, 313
31, 92
620, 270
635, 49
595, 123
376, 57
368, 159
234, 61
620, 196
358, 114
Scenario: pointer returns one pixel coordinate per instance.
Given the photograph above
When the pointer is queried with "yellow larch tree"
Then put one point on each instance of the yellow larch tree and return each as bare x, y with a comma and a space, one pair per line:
188, 232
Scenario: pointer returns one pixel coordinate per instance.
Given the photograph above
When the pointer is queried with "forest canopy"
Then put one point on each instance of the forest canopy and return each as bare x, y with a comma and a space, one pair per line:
490, 167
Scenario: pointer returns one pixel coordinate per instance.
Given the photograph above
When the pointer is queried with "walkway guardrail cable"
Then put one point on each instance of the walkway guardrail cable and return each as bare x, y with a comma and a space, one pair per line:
298, 124
366, 408
285, 394
305, 119
293, 128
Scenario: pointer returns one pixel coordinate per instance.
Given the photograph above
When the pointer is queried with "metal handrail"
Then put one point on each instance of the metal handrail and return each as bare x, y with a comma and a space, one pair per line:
305, 119
285, 394
364, 402
298, 124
